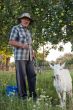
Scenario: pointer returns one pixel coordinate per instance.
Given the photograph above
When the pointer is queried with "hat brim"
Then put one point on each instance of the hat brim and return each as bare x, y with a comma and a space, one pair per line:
19, 18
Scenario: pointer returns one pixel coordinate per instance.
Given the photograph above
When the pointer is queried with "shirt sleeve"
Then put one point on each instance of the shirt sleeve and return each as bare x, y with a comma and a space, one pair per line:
13, 34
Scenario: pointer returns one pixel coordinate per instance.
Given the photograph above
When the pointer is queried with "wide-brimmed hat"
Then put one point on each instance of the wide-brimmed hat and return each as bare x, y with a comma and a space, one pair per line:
25, 15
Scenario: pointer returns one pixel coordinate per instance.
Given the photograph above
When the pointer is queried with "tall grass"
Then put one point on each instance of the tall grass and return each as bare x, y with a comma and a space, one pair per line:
47, 97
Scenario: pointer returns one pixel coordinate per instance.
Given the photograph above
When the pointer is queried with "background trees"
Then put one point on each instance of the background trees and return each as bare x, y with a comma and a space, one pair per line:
53, 20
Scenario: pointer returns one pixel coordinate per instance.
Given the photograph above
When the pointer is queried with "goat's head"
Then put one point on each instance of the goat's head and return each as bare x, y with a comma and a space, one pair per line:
57, 67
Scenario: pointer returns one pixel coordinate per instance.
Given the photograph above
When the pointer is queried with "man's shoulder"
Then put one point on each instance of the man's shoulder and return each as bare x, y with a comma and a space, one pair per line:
16, 27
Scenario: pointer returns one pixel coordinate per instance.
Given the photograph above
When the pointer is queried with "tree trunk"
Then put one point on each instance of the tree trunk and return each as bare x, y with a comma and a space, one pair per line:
7, 63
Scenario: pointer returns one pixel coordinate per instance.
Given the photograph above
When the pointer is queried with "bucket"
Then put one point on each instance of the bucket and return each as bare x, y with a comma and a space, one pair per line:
11, 90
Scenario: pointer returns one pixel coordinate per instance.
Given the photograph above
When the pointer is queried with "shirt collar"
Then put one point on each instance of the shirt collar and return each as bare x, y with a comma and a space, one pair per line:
20, 25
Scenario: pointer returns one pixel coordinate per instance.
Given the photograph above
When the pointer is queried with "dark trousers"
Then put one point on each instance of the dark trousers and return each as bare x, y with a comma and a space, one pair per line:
23, 69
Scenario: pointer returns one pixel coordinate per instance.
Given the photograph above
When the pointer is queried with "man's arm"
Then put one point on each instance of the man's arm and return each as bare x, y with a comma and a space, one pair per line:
14, 42
18, 44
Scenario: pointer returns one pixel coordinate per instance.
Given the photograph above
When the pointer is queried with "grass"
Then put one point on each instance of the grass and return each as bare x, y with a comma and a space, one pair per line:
47, 97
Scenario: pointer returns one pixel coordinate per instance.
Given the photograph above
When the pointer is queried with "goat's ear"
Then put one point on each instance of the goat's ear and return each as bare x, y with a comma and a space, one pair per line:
51, 66
63, 65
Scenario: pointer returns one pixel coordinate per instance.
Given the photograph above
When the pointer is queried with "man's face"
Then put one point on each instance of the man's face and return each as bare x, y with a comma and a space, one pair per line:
25, 22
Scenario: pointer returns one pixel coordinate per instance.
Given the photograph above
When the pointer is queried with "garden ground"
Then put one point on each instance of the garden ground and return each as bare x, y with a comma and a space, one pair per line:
47, 97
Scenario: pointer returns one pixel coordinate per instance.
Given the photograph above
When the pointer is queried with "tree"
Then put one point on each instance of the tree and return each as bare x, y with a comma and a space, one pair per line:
53, 20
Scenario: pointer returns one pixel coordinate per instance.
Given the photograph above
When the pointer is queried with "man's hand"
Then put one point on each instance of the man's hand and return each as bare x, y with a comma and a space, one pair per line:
25, 46
33, 54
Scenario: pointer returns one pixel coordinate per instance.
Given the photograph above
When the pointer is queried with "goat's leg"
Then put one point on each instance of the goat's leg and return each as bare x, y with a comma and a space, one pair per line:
70, 99
64, 99
60, 98
70, 96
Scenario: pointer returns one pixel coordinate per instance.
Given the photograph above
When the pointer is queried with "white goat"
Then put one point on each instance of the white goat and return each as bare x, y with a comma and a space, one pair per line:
62, 82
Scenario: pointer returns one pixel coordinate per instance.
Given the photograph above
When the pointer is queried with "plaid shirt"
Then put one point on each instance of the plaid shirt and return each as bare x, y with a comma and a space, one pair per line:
21, 34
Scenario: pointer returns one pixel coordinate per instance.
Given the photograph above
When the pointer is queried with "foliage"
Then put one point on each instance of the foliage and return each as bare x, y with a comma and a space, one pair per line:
53, 20
68, 59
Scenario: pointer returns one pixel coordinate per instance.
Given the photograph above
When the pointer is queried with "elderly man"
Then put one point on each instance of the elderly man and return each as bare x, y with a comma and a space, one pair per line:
20, 39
